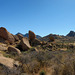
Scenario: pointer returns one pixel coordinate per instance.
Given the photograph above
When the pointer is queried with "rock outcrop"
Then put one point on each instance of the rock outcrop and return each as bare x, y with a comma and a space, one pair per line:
71, 34
13, 50
33, 40
15, 37
20, 36
8, 66
8, 62
25, 44
36, 42
32, 35
3, 47
27, 35
6, 35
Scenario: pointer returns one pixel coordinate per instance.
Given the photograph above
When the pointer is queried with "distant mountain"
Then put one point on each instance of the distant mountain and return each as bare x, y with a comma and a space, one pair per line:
70, 37
46, 38
71, 34
27, 35
19, 33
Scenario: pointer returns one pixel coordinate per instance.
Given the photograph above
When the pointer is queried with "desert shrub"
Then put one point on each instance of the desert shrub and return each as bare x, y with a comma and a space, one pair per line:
24, 59
29, 64
68, 69
6, 71
34, 66
33, 61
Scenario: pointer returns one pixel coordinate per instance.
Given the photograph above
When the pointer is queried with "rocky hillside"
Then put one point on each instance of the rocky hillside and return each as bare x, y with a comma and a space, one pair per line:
71, 34
59, 38
50, 55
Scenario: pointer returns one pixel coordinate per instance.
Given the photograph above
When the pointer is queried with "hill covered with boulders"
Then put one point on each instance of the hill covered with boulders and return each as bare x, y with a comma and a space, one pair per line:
31, 54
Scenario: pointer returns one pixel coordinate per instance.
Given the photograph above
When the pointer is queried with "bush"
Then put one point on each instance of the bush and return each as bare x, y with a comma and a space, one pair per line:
33, 61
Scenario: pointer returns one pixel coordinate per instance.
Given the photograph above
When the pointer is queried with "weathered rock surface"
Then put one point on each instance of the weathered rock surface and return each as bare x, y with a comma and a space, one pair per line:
3, 47
8, 66
25, 44
36, 42
20, 36
2, 40
8, 62
32, 35
33, 40
13, 50
6, 35
15, 37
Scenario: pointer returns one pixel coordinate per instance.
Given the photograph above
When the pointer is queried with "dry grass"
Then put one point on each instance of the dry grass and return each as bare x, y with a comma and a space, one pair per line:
54, 62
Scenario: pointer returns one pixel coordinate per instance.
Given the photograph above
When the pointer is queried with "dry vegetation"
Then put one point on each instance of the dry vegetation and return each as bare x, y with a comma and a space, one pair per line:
53, 55
45, 63
50, 59
59, 62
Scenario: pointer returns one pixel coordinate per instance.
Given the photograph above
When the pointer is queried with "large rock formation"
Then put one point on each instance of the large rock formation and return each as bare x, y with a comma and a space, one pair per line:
36, 42
8, 62
27, 35
8, 66
20, 36
3, 47
32, 35
6, 35
25, 44
33, 40
15, 37
71, 34
14, 50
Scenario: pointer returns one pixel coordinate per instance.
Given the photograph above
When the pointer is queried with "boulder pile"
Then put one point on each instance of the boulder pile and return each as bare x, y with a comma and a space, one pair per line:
25, 44
33, 40
6, 35
32, 35
13, 50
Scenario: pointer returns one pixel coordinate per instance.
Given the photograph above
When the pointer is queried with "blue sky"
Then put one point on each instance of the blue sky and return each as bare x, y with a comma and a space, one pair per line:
41, 16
